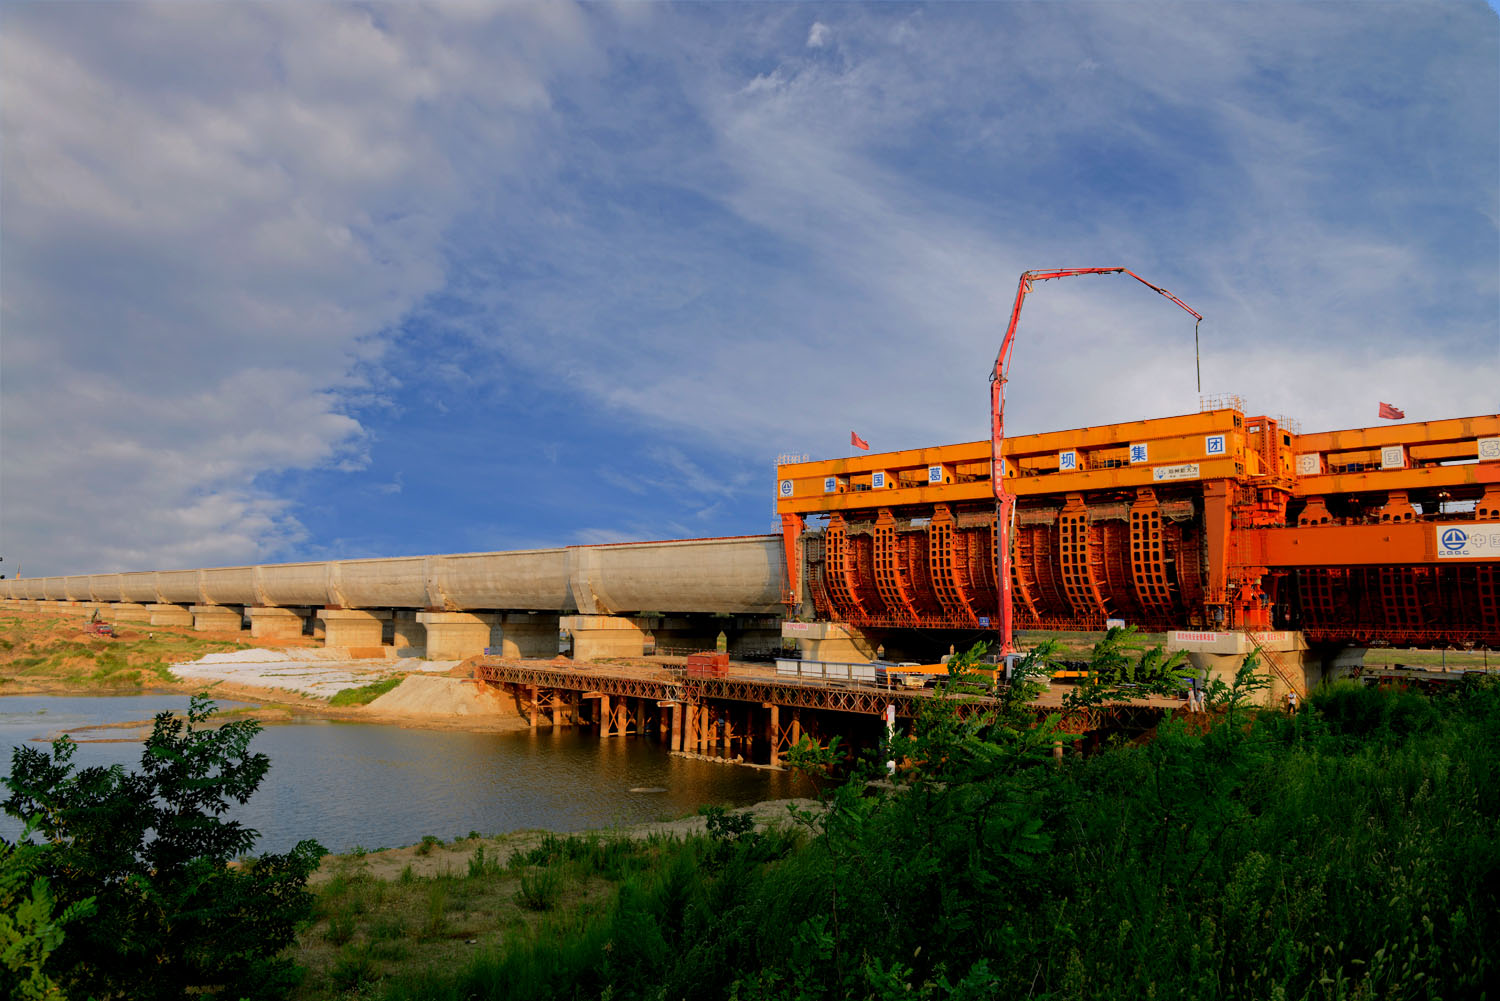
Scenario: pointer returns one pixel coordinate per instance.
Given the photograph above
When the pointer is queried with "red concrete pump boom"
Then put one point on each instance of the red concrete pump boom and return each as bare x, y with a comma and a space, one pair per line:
1005, 500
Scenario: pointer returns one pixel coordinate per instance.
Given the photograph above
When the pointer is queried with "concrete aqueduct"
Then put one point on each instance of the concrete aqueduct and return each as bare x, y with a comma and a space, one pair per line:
607, 598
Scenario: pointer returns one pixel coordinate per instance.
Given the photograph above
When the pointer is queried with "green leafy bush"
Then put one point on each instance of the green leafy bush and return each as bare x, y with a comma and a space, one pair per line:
172, 914
31, 928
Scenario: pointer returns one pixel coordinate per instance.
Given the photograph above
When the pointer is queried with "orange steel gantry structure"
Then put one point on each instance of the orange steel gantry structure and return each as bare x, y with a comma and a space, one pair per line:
1214, 520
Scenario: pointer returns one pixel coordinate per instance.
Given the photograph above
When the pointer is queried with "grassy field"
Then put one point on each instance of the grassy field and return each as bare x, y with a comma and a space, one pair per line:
1348, 852
42, 650
488, 897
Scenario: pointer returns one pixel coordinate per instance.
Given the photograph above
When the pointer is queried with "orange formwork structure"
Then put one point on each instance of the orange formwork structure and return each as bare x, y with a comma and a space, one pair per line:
1211, 520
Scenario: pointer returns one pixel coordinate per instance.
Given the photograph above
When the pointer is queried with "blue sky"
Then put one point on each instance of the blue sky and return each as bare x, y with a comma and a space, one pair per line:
323, 281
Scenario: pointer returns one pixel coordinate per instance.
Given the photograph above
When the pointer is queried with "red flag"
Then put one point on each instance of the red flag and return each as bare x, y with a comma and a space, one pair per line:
1390, 413
859, 442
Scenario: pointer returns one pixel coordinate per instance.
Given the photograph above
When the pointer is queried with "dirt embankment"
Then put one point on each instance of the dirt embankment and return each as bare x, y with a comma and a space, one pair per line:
43, 653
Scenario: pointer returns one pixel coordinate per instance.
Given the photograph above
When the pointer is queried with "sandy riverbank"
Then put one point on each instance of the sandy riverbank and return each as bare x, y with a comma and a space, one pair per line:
436, 858
50, 654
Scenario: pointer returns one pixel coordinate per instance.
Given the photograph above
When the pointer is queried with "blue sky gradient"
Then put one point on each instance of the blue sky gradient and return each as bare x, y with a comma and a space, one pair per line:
327, 281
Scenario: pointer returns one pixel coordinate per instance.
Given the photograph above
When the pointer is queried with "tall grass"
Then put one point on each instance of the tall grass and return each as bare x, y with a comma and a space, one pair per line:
1351, 851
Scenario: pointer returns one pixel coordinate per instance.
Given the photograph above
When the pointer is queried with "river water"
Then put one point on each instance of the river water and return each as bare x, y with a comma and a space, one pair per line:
367, 785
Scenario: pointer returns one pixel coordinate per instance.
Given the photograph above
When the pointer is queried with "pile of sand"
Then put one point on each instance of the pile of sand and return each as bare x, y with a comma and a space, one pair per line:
422, 695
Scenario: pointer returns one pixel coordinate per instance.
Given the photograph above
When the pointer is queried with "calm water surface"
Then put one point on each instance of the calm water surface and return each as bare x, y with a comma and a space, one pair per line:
360, 784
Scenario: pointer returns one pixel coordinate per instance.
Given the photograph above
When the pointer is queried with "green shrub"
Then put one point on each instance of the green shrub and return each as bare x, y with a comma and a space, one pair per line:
479, 864
365, 694
539, 888
1362, 710
437, 912
340, 927
151, 848
353, 969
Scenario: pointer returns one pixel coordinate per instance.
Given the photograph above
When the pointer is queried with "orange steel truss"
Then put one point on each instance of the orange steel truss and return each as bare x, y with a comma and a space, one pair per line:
1376, 535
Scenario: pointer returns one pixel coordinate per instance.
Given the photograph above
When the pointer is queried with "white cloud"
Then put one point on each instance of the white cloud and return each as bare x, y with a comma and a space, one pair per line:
213, 217
817, 36
1264, 188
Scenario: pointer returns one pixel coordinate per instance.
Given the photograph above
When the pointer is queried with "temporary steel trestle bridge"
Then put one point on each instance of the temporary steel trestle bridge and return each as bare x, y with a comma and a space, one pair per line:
740, 715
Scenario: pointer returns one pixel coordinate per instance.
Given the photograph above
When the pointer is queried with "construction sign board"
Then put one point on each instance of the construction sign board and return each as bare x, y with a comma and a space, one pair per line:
1474, 540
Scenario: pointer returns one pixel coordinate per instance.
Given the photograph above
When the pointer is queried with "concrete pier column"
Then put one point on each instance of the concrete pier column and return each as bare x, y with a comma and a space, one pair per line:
409, 636
596, 637
606, 717
1287, 658
352, 627
277, 623
456, 635
218, 618
534, 714
755, 634
127, 611
170, 615
526, 636
829, 641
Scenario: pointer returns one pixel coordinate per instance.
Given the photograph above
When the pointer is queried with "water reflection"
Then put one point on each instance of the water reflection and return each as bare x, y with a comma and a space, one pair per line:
356, 784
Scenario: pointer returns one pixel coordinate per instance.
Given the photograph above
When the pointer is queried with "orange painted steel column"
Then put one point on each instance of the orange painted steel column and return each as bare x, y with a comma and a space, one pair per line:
791, 534
775, 740
1218, 495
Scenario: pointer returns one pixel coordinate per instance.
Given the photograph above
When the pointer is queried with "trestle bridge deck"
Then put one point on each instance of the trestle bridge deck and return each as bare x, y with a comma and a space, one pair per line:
746, 715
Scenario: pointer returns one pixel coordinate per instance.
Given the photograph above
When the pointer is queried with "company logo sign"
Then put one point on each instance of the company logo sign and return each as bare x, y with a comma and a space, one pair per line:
1186, 471
1471, 541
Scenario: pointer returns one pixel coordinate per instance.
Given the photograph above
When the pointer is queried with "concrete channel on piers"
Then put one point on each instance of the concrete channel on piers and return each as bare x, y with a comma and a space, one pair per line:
600, 601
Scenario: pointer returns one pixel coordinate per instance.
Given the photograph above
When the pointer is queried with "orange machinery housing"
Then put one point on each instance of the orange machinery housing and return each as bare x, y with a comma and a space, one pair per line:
1212, 520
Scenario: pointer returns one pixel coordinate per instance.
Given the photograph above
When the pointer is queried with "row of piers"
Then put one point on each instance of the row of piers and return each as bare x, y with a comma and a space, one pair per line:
448, 635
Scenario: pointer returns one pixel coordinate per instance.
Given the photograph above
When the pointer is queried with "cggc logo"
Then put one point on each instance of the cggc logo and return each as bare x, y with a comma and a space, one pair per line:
1455, 538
